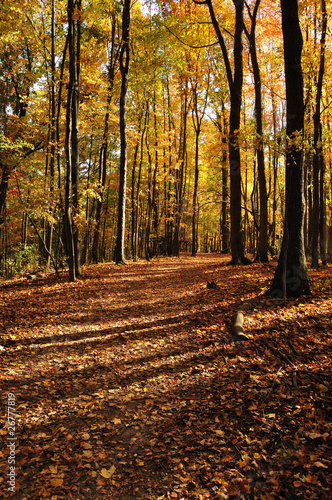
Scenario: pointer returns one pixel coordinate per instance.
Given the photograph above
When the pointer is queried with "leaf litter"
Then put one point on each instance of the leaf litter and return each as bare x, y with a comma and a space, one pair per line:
129, 385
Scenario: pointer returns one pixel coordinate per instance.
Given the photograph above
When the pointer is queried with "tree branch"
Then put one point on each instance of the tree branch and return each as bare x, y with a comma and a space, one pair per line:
188, 44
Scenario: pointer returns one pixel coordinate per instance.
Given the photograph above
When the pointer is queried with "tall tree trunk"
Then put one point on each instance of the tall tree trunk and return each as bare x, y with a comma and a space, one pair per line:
221, 123
119, 254
235, 81
291, 274
104, 146
49, 227
169, 180
318, 168
237, 248
179, 174
154, 182
71, 140
322, 212
6, 171
133, 201
197, 127
197, 121
136, 200
88, 211
262, 250
329, 231
149, 204
75, 145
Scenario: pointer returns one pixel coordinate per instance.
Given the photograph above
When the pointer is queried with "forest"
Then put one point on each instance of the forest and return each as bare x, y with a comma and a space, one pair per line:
165, 249
136, 129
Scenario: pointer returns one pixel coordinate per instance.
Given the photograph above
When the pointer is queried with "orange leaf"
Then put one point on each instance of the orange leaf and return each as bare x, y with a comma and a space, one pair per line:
57, 482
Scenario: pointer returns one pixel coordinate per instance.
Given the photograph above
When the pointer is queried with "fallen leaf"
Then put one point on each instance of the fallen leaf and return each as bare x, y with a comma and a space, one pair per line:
322, 388
57, 482
320, 464
108, 473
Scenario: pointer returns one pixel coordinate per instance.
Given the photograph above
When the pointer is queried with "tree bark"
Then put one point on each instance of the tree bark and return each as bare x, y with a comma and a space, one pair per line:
133, 201
197, 127
71, 139
235, 81
197, 122
292, 269
179, 173
6, 171
119, 254
104, 146
318, 236
262, 251
149, 203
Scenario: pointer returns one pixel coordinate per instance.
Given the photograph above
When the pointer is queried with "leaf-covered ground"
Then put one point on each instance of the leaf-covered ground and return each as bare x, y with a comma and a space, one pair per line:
128, 384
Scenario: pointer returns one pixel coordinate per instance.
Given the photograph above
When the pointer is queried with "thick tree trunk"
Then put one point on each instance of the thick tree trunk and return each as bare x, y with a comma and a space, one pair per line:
237, 248
291, 273
235, 86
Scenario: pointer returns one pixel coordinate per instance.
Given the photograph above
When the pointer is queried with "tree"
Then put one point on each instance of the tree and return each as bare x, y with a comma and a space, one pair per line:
71, 141
197, 116
291, 278
318, 229
124, 59
263, 222
235, 81
17, 73
113, 57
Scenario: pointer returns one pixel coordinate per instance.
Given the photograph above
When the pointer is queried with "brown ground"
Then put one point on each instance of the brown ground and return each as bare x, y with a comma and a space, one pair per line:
128, 385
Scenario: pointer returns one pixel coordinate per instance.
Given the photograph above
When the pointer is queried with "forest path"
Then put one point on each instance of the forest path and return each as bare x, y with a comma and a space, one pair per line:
128, 384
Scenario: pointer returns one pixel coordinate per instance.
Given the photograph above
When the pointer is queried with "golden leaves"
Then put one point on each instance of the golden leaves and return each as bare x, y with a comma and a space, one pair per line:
108, 473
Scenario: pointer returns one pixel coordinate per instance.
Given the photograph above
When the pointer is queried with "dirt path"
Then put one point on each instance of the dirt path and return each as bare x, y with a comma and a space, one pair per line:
129, 386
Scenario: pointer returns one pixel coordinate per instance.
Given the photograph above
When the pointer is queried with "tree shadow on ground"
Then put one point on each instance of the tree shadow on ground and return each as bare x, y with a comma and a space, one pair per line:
163, 402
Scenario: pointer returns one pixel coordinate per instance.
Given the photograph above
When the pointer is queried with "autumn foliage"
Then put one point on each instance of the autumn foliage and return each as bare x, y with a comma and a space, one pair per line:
146, 147
129, 384
60, 169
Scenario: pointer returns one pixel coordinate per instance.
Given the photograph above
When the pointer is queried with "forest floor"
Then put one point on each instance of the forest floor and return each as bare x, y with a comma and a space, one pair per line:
128, 385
